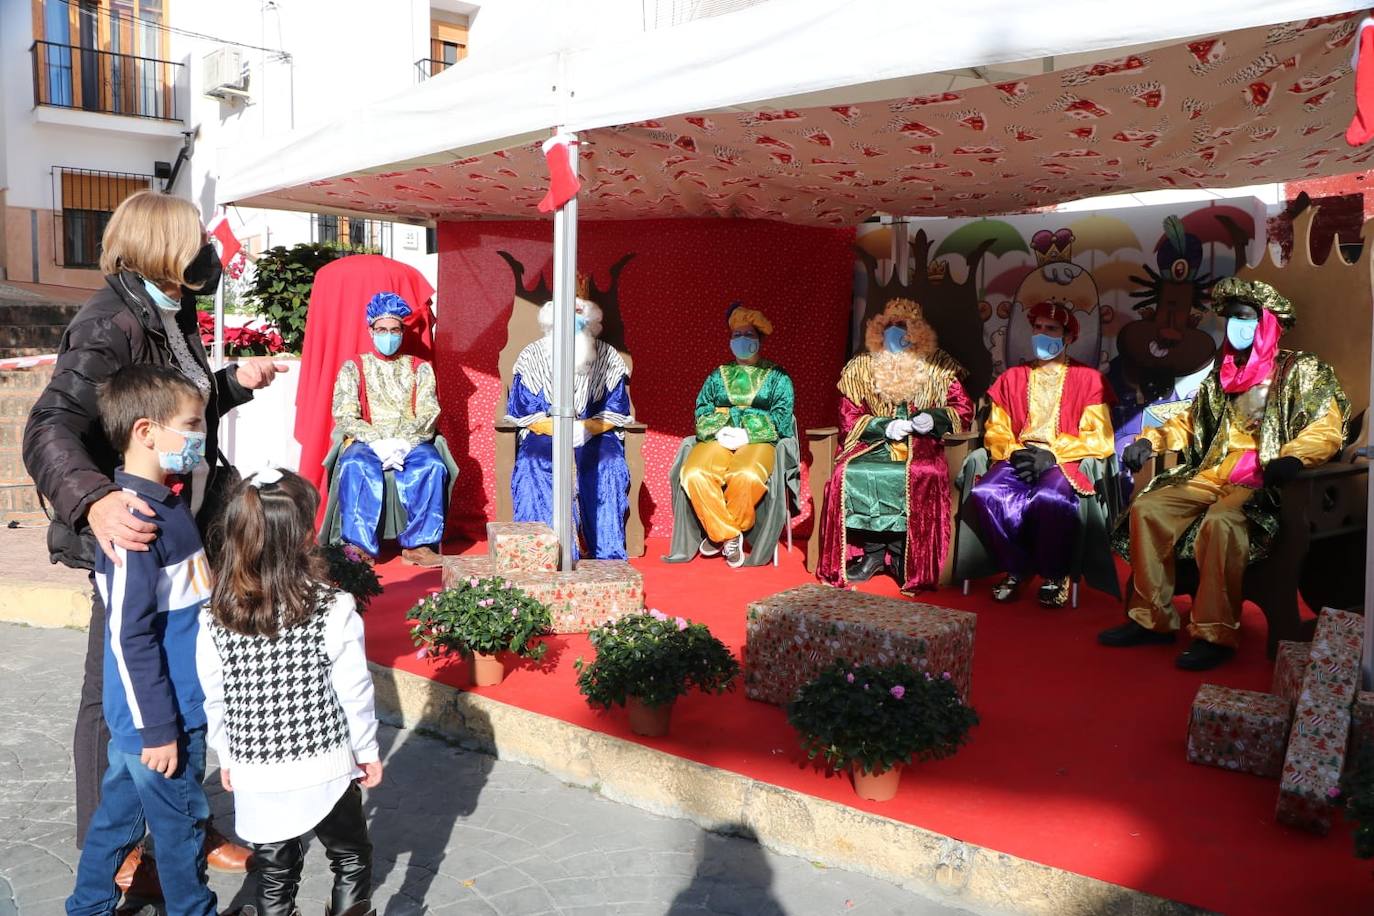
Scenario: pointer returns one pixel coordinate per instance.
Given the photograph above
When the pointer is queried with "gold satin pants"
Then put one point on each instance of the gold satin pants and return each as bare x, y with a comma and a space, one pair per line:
1222, 550
725, 486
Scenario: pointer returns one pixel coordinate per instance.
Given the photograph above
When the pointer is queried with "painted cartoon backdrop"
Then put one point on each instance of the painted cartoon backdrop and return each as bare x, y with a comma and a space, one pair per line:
1137, 277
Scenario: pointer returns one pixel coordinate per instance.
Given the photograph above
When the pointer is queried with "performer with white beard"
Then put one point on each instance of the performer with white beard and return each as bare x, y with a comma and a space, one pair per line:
601, 404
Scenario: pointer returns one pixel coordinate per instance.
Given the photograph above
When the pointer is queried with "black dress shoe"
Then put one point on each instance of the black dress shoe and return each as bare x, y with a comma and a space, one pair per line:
1202, 655
1131, 633
1006, 590
865, 568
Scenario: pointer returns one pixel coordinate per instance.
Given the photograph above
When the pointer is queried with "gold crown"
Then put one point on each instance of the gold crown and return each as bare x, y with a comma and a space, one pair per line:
937, 270
584, 286
1057, 249
901, 310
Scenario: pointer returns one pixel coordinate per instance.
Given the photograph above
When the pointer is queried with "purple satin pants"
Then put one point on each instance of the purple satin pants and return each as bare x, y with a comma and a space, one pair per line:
1027, 527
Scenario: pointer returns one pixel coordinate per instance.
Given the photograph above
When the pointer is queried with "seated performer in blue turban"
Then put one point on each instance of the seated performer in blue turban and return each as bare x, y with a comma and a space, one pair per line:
601, 407
386, 406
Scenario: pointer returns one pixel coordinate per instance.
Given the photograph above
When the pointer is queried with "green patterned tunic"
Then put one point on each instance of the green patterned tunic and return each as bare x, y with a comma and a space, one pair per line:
757, 399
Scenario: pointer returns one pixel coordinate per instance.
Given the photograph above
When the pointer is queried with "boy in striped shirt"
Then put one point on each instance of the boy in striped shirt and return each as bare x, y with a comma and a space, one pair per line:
153, 701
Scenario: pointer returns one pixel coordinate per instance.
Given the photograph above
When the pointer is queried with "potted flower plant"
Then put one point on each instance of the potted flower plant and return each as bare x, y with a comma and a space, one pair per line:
872, 719
646, 661
350, 571
484, 617
1358, 791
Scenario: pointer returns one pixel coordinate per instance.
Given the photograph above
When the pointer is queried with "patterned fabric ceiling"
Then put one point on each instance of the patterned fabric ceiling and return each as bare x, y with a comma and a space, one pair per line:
1250, 107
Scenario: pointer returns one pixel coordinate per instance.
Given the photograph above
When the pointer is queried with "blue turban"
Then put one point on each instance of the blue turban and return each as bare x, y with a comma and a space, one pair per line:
387, 305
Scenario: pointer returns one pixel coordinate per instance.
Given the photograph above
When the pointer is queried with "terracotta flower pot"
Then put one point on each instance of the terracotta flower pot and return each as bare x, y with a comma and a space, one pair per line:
487, 670
876, 786
650, 721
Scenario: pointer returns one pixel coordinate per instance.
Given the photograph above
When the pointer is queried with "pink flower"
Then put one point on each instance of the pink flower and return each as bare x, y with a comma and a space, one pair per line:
1333, 792
657, 614
681, 623
473, 582
865, 686
515, 612
506, 584
945, 676
423, 653
898, 692
849, 677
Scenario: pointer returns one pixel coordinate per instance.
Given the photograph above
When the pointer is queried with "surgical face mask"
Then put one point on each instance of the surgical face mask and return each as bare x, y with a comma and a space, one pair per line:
1240, 332
1047, 347
895, 339
386, 342
161, 299
579, 323
187, 457
744, 347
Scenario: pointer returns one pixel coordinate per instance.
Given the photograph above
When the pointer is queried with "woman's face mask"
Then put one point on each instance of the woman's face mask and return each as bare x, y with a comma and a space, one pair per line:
744, 346
895, 339
163, 301
203, 273
185, 459
1047, 347
387, 342
1240, 332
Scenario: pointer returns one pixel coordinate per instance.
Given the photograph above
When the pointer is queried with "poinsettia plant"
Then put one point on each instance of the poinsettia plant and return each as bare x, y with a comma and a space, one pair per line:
241, 340
655, 658
350, 571
486, 615
876, 717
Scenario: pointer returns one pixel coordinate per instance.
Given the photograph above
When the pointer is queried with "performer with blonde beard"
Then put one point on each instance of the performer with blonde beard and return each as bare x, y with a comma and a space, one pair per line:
601, 403
887, 502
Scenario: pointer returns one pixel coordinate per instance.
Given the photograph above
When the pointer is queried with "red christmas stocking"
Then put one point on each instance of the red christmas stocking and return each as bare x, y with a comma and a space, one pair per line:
563, 183
1361, 128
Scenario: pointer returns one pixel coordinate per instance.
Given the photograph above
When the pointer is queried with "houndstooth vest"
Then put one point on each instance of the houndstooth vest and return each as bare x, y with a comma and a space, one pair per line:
279, 702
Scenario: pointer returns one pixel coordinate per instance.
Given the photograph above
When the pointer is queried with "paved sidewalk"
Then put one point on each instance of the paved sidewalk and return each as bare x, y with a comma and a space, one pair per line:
455, 832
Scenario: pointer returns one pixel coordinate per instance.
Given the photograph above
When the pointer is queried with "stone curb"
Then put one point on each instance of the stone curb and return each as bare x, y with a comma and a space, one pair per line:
40, 605
785, 821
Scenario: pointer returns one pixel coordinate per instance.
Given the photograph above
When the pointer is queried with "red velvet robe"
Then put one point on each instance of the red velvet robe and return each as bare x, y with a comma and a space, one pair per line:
1084, 387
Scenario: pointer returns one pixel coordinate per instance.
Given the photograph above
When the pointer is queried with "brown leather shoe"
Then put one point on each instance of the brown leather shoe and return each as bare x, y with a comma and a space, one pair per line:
223, 855
421, 556
137, 877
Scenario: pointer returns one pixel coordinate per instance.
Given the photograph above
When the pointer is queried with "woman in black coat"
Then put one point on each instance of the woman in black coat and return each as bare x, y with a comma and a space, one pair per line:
155, 258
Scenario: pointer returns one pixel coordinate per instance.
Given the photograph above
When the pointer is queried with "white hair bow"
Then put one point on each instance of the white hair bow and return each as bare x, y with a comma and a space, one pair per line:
265, 477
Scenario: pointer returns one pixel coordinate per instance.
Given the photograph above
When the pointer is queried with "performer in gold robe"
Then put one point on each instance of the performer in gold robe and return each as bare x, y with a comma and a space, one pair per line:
1262, 416
744, 408
889, 492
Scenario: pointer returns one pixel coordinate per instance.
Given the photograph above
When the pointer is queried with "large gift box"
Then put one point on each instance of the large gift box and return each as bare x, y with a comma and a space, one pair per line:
1238, 730
595, 592
792, 635
522, 546
456, 569
1333, 667
1290, 665
1312, 769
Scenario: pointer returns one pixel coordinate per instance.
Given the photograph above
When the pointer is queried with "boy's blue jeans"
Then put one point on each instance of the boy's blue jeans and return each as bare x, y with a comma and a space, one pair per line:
173, 808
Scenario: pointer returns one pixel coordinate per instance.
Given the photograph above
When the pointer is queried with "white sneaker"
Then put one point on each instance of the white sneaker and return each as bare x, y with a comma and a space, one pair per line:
709, 548
734, 551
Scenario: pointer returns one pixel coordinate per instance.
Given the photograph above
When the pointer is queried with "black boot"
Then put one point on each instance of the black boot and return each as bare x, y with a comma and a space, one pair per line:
896, 559
279, 875
1130, 634
867, 566
1202, 655
343, 833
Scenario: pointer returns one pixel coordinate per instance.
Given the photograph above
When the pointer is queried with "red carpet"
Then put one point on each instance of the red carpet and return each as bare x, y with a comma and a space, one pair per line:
1079, 762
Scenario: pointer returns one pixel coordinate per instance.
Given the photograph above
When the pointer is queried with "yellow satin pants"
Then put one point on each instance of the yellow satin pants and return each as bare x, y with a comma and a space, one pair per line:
725, 486
1222, 550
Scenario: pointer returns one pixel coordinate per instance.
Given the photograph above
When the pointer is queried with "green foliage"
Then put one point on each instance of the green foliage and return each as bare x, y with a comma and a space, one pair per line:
280, 290
878, 717
348, 570
656, 658
481, 615
1358, 790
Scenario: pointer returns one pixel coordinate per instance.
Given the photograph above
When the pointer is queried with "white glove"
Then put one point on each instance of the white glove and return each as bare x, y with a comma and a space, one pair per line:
579, 433
732, 437
383, 449
398, 456
898, 429
922, 423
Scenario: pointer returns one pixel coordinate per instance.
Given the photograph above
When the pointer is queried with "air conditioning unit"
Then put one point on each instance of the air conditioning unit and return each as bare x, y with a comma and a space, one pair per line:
225, 74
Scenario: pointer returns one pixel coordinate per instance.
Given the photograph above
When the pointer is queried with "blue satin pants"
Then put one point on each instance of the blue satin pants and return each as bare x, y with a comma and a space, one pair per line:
602, 500
420, 486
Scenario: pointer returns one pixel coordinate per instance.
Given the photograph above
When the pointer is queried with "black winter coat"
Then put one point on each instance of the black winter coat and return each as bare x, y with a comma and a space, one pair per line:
65, 448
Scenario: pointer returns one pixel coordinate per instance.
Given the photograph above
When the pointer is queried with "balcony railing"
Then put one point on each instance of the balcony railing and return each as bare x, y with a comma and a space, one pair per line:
426, 67
89, 79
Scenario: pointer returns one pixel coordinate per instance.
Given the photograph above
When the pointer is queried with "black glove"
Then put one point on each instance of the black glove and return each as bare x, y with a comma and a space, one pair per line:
1137, 453
1031, 463
1281, 470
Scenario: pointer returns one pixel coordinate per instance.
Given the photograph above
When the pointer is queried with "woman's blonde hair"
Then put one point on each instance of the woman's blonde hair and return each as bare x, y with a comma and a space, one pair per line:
155, 235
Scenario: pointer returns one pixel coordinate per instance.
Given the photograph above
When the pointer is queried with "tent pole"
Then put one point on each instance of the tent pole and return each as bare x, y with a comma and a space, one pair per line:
219, 326
1368, 678
564, 289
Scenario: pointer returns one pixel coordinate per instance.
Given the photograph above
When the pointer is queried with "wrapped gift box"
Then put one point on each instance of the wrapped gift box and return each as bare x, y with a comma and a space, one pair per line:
522, 546
792, 635
1312, 768
596, 592
1290, 665
1239, 730
456, 569
1362, 728
1333, 667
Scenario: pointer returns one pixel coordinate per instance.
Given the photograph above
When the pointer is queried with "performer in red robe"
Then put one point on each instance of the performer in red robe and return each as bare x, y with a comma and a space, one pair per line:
1046, 416
334, 335
889, 493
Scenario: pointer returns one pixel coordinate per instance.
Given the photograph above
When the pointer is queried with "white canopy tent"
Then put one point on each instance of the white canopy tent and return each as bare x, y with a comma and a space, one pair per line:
826, 112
